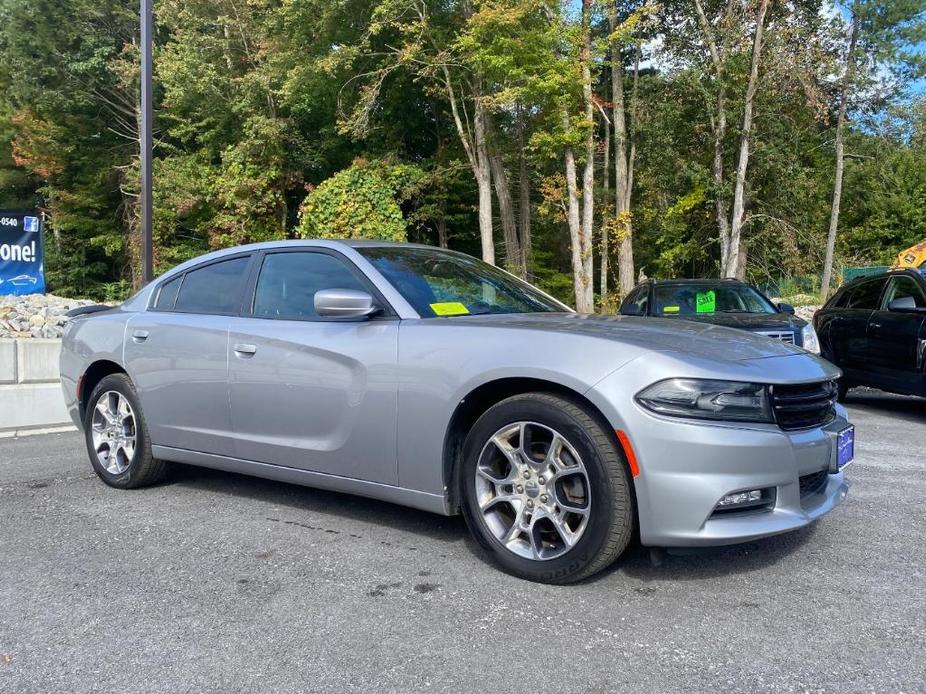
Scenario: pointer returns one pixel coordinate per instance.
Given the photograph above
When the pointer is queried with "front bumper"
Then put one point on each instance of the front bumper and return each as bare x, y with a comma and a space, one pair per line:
686, 467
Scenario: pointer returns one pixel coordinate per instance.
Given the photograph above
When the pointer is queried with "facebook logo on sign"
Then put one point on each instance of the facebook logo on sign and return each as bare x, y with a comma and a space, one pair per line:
31, 224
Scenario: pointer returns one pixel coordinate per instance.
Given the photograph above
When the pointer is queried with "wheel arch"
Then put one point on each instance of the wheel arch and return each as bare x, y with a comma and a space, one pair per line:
94, 373
480, 399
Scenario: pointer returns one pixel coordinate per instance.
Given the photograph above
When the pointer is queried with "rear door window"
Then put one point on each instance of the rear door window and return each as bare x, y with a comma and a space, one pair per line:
215, 288
866, 295
167, 294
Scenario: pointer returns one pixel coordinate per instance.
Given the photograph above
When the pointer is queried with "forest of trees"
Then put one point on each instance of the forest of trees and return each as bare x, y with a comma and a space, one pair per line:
577, 143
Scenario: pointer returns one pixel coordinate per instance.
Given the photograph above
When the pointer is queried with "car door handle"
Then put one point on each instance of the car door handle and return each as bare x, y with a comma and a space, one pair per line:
139, 335
875, 325
243, 350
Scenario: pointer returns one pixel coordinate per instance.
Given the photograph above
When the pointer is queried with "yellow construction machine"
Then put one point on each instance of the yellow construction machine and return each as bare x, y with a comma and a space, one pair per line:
914, 257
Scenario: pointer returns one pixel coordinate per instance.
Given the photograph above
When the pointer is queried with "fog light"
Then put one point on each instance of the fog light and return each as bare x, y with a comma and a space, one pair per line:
740, 498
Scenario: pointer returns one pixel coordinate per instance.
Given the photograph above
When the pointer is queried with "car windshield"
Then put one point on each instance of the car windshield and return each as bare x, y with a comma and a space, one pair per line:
708, 299
443, 283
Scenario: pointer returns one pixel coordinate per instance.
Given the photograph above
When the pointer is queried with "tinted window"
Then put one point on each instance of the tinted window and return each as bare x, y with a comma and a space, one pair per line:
703, 298
865, 295
838, 301
288, 282
636, 303
167, 293
901, 287
215, 288
443, 283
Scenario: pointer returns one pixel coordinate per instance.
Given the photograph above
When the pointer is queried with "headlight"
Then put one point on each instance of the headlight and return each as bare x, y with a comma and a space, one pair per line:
809, 339
703, 399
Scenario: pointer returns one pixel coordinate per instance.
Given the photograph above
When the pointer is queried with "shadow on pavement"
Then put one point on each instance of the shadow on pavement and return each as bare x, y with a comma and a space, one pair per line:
688, 564
302, 500
696, 564
905, 407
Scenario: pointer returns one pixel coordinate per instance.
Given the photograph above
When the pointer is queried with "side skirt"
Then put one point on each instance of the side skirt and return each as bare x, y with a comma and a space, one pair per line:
434, 503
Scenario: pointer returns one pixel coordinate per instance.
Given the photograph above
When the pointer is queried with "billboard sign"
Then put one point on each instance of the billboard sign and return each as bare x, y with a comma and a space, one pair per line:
22, 262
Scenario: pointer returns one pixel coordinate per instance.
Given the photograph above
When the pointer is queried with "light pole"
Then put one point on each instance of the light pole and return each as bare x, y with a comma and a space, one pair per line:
146, 139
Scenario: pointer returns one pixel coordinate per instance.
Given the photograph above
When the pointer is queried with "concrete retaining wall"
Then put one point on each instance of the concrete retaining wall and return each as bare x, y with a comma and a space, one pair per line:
30, 392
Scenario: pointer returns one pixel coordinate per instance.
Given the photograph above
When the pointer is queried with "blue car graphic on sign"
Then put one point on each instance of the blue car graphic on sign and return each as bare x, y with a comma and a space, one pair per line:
22, 280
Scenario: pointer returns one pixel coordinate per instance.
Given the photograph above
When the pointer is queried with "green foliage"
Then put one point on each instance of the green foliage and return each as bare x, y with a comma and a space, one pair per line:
332, 119
360, 202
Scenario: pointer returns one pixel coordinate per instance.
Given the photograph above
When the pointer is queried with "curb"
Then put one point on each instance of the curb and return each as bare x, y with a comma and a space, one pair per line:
19, 433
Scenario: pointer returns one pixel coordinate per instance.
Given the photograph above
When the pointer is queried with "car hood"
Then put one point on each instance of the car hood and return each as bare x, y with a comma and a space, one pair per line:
747, 321
652, 334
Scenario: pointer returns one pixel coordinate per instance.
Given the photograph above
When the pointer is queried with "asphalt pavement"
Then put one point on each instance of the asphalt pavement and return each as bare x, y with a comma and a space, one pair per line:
215, 582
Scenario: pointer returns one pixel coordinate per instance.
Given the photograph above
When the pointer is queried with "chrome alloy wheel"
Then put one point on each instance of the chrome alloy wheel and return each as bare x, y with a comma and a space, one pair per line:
114, 431
533, 490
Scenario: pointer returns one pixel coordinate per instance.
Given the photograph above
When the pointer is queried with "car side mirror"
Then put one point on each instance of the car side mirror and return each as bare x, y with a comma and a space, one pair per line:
344, 303
903, 304
786, 308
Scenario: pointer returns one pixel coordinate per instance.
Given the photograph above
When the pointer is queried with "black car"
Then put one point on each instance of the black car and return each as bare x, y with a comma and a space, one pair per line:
874, 329
727, 302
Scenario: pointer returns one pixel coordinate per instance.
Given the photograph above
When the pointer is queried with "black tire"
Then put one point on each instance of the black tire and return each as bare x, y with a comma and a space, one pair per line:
143, 469
611, 516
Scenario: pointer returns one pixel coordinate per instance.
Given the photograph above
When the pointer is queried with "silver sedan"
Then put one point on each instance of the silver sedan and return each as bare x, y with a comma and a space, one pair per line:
427, 378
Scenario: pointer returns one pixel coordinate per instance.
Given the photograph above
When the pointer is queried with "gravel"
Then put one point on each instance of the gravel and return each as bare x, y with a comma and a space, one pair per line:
36, 315
215, 582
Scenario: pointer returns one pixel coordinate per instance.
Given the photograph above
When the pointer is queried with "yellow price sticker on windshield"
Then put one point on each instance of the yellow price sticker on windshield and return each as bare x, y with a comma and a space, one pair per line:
670, 309
449, 308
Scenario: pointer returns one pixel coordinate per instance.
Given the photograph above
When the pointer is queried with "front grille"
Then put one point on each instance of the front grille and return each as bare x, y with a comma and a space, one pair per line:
804, 406
811, 484
783, 336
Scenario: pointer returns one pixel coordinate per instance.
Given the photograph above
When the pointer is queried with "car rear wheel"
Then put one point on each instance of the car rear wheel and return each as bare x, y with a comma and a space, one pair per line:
545, 489
117, 438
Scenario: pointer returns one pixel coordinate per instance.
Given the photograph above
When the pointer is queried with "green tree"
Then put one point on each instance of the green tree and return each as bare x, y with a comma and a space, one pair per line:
360, 202
882, 40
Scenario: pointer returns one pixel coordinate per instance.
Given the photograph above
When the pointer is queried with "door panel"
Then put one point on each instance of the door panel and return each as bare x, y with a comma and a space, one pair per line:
894, 340
319, 396
311, 392
852, 341
179, 371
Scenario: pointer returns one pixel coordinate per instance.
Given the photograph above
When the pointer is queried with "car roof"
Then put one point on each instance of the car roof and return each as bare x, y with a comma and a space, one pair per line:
701, 281
293, 243
908, 271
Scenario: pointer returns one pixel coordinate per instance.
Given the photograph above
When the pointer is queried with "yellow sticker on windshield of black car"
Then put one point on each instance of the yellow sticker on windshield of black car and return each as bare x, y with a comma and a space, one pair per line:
706, 302
449, 308
670, 309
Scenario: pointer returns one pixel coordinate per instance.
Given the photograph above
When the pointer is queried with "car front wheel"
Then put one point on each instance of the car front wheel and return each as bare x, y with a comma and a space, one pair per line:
545, 489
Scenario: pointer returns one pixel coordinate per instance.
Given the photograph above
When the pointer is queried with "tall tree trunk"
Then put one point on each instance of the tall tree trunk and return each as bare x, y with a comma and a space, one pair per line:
720, 200
484, 181
506, 212
524, 200
588, 176
476, 149
605, 214
442, 235
736, 266
623, 225
719, 121
580, 281
847, 79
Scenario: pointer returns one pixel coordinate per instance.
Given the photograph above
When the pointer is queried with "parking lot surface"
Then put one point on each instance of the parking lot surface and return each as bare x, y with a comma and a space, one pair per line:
219, 582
